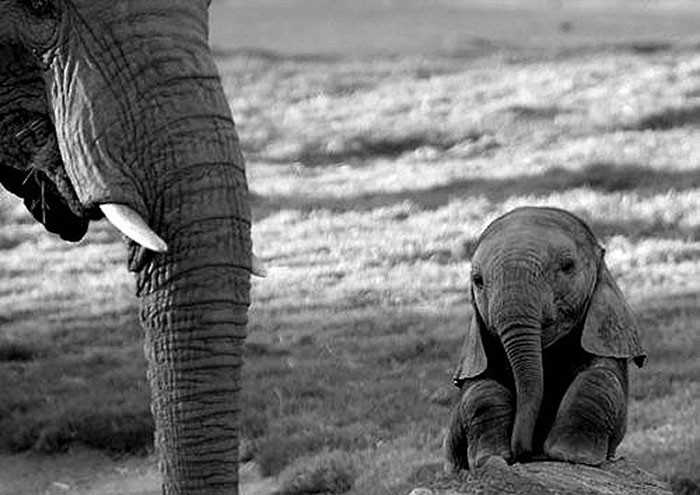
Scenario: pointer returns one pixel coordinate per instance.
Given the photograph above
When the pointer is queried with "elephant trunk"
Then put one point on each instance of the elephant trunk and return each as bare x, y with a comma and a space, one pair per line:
148, 125
141, 120
524, 352
194, 302
516, 316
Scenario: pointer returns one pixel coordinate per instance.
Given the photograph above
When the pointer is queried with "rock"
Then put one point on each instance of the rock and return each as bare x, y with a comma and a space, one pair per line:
552, 478
421, 491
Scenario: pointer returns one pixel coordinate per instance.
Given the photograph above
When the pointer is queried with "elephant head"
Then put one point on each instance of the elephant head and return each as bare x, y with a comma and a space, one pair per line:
115, 108
538, 275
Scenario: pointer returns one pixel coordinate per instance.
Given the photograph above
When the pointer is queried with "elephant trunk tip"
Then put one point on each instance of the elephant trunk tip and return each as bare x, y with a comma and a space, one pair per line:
523, 429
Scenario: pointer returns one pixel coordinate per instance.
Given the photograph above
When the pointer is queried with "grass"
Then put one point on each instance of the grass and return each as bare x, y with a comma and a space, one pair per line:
371, 180
326, 472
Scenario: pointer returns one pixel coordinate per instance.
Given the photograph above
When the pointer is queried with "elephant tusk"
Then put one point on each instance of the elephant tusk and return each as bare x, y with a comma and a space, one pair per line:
132, 225
258, 268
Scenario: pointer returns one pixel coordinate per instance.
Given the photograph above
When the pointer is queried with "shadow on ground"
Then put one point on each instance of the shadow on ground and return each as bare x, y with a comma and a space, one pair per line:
600, 176
669, 118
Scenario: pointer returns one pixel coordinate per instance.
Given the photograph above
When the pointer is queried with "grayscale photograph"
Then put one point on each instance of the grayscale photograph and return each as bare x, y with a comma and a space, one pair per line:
361, 247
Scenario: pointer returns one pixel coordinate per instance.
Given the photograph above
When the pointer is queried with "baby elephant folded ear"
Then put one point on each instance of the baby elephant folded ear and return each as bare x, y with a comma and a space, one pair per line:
610, 328
472, 360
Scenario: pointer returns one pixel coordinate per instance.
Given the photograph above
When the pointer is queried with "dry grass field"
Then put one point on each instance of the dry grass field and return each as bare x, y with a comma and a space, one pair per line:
371, 179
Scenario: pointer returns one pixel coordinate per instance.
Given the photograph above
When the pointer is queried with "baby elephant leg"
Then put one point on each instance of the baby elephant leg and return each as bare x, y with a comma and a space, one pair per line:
592, 417
481, 425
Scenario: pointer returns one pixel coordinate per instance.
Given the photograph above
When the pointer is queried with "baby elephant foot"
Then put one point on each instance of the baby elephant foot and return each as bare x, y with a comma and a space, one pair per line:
591, 419
492, 462
579, 448
480, 428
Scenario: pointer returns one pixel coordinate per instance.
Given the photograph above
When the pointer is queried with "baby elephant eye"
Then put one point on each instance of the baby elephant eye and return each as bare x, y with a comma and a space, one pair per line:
478, 280
567, 265
40, 8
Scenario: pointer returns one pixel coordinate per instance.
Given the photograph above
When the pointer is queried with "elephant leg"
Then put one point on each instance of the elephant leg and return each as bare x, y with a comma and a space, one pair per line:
481, 425
591, 419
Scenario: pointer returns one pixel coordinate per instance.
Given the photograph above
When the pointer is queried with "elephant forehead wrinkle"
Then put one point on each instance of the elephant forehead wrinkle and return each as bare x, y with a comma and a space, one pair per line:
513, 238
536, 247
548, 219
523, 260
151, 16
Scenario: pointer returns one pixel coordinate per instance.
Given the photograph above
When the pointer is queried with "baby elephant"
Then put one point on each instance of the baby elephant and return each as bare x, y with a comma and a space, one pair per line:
543, 371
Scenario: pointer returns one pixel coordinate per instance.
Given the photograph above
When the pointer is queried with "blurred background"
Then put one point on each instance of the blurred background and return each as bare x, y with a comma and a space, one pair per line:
381, 137
428, 27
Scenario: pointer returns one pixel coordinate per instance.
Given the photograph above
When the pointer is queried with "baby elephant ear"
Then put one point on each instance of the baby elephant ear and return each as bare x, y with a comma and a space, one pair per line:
611, 329
472, 360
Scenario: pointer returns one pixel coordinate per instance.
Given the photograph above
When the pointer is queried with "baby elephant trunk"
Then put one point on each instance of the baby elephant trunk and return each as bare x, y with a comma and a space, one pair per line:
524, 351
516, 316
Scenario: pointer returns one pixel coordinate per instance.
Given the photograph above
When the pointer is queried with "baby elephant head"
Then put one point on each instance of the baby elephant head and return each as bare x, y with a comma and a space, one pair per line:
537, 276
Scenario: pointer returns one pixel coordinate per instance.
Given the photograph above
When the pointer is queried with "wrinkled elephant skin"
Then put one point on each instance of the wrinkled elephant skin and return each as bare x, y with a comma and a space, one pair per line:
120, 102
543, 370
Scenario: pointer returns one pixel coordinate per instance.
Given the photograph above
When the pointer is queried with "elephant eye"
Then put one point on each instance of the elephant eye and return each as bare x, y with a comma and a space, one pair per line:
478, 280
39, 8
567, 265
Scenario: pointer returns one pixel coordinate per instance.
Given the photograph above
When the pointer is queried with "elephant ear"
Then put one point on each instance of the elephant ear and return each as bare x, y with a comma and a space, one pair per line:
30, 161
472, 360
610, 328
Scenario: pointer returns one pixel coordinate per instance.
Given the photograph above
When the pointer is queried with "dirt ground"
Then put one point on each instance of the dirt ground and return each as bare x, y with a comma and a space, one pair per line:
89, 472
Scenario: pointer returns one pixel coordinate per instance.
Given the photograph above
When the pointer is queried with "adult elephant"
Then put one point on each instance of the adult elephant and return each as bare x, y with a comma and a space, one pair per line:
115, 107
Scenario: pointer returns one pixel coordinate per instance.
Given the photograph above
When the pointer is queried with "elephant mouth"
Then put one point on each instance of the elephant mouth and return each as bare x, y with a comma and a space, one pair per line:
33, 170
551, 333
